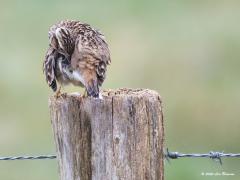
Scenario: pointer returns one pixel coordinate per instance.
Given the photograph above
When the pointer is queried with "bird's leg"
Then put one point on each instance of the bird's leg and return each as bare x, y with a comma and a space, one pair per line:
58, 93
85, 93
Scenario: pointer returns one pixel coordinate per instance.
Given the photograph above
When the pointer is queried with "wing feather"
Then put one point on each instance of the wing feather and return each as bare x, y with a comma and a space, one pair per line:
49, 68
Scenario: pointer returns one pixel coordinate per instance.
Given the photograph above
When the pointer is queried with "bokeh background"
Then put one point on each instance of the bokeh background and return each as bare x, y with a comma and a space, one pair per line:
189, 51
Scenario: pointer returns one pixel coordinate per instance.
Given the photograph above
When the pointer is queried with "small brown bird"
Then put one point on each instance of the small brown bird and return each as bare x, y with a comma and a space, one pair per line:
77, 54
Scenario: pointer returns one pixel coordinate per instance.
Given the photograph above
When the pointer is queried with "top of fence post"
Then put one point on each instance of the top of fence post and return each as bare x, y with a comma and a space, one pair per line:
117, 137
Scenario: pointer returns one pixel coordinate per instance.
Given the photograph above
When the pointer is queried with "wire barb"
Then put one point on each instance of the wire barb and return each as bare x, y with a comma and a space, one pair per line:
11, 158
212, 154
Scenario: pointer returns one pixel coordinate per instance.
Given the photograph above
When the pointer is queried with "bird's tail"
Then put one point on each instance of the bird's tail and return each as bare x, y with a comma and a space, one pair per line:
92, 88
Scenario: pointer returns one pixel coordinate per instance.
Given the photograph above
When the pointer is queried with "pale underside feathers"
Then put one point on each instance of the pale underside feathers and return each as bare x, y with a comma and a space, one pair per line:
77, 54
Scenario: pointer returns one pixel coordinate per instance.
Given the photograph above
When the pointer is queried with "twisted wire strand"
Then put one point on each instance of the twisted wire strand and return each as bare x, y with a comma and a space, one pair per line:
168, 155
41, 157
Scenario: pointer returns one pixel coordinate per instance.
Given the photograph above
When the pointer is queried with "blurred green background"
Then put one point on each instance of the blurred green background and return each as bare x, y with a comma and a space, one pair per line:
189, 51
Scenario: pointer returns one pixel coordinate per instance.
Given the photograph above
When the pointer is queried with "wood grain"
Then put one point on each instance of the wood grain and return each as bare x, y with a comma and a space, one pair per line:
119, 137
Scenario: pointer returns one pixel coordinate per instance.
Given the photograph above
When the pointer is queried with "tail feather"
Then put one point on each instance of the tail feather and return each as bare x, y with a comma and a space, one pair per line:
48, 68
53, 85
92, 88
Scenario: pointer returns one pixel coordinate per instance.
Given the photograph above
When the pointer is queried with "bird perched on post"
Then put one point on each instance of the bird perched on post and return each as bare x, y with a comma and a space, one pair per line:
77, 54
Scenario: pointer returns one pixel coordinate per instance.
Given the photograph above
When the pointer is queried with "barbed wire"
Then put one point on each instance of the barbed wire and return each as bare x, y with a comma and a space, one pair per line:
168, 155
41, 157
212, 154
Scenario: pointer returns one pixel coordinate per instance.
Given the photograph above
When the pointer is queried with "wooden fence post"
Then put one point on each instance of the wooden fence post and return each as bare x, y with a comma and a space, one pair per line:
119, 137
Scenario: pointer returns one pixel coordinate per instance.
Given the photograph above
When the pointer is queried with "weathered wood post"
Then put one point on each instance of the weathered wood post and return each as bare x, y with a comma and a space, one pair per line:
117, 138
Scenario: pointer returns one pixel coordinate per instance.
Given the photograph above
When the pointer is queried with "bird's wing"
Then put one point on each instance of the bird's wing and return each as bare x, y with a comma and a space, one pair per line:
90, 58
49, 67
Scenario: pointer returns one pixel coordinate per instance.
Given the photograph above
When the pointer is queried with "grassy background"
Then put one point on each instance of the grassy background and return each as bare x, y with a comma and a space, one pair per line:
189, 51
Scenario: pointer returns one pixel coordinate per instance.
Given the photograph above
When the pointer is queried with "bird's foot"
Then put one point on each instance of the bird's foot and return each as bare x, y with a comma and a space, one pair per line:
58, 93
85, 94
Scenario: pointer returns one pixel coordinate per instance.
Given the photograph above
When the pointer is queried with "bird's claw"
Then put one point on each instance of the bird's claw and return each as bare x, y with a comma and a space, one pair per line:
85, 94
58, 93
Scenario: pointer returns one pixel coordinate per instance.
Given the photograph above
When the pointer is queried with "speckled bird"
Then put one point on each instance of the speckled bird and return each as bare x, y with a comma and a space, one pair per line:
78, 54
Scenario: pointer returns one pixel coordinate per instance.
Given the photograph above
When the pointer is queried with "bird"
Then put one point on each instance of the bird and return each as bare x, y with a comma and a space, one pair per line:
78, 54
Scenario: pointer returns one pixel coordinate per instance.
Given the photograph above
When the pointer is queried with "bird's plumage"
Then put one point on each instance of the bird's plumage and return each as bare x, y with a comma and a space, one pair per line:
77, 54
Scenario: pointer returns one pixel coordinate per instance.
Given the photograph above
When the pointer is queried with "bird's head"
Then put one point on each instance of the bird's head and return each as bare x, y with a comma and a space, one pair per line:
64, 40
61, 40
